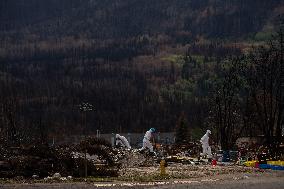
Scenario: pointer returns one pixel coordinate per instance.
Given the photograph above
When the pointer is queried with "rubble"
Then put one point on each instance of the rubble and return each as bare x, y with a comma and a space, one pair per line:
62, 163
35, 176
47, 178
56, 176
182, 164
130, 158
42, 161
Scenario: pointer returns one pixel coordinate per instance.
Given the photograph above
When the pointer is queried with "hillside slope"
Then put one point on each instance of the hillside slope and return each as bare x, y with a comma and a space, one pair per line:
127, 18
139, 62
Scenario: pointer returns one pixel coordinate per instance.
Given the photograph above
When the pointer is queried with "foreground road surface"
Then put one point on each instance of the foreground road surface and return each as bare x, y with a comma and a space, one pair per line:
272, 180
263, 183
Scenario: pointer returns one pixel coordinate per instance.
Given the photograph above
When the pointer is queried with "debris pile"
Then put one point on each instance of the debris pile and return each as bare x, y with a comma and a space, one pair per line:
136, 159
133, 159
192, 149
62, 163
41, 161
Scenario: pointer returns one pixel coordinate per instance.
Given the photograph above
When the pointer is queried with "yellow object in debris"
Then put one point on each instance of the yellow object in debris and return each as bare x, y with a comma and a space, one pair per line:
279, 163
162, 167
250, 163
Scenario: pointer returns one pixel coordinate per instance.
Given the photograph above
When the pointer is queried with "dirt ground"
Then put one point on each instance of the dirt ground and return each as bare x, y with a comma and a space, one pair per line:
178, 176
262, 180
140, 171
181, 171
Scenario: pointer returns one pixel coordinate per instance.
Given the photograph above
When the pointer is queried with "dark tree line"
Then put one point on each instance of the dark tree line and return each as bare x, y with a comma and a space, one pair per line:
181, 21
249, 96
55, 55
41, 90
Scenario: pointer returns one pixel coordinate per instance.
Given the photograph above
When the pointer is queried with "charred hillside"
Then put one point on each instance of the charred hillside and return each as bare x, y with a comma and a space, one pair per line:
139, 63
128, 18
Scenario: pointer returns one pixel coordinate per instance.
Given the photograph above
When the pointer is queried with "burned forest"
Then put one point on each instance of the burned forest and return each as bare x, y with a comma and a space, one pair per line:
120, 88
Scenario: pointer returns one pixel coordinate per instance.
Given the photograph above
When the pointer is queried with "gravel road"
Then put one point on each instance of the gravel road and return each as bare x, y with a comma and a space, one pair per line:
270, 180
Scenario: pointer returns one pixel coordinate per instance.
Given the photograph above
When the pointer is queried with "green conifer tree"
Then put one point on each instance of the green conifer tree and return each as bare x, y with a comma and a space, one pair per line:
182, 131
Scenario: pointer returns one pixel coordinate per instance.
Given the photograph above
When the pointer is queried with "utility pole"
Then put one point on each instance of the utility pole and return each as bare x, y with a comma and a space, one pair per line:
282, 75
84, 108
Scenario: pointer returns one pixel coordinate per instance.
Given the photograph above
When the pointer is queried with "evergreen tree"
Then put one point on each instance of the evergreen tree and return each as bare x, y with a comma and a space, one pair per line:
182, 132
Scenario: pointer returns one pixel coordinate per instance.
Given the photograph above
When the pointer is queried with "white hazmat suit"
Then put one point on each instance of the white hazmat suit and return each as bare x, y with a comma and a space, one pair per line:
146, 140
205, 145
121, 140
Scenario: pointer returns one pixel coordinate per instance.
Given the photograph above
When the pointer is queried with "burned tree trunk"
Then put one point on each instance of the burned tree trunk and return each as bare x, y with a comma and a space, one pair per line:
266, 88
228, 103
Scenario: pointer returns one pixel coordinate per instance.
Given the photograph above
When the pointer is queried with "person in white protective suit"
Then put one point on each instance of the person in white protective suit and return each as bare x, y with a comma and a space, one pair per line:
121, 140
146, 141
205, 145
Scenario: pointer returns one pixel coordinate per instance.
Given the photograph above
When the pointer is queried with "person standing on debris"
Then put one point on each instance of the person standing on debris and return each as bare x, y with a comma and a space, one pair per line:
146, 141
121, 140
205, 145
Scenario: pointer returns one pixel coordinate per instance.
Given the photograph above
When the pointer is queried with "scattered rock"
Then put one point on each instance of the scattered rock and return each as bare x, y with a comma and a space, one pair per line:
47, 178
63, 178
35, 176
56, 175
246, 177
